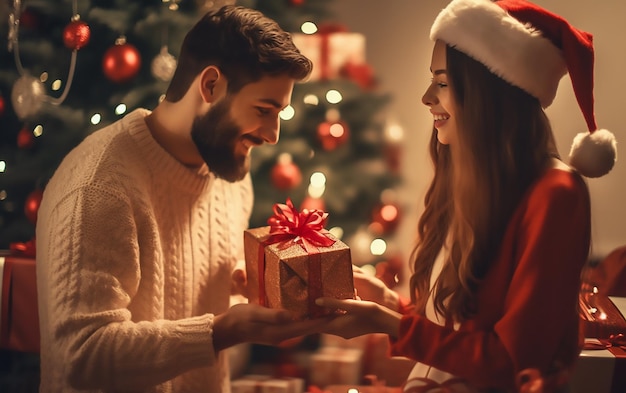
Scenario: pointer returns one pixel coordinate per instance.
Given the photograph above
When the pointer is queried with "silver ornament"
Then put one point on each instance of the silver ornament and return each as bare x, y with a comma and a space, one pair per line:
163, 65
27, 96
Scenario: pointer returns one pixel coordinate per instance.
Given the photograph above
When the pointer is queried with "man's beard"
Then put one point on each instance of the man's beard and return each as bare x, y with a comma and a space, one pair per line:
216, 136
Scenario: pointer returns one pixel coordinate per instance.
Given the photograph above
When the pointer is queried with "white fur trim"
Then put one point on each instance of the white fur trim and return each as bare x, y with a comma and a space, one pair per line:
517, 53
593, 154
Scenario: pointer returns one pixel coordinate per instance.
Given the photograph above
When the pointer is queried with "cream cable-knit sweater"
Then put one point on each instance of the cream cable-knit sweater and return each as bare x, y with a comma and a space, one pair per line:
134, 257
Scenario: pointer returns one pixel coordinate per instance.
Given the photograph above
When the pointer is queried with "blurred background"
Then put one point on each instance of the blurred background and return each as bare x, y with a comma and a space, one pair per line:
353, 141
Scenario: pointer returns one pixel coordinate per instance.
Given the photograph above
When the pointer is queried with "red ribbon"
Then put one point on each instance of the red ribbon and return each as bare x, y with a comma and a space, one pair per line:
614, 341
325, 31
305, 228
26, 249
289, 226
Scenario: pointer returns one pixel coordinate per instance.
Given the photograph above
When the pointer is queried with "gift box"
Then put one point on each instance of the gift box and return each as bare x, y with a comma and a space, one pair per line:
331, 50
601, 317
601, 366
336, 366
19, 318
265, 384
294, 261
361, 389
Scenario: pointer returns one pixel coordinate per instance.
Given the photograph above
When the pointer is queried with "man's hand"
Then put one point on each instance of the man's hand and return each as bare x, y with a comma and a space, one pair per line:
260, 325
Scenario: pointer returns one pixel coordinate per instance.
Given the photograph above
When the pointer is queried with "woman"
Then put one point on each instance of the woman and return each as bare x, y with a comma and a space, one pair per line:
506, 226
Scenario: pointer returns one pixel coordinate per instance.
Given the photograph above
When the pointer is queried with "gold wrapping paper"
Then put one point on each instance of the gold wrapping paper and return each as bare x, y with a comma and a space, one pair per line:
286, 275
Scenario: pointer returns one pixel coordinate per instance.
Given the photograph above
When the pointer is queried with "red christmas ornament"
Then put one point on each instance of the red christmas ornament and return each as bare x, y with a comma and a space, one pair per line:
390, 271
2, 105
361, 74
25, 139
332, 134
285, 174
296, 2
311, 203
393, 156
76, 34
385, 218
29, 19
121, 62
31, 205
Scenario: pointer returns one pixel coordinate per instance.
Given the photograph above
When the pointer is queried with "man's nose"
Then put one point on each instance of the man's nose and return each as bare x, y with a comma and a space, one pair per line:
271, 131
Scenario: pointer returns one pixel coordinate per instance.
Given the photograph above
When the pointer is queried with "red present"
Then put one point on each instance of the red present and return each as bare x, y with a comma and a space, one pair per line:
294, 261
601, 367
361, 389
600, 316
333, 366
266, 384
332, 49
19, 318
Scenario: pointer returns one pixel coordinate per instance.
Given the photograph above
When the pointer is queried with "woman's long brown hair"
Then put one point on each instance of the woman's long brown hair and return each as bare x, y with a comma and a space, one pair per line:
504, 142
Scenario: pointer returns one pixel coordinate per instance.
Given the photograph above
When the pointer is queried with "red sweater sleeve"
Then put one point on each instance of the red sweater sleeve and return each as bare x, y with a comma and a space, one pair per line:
527, 316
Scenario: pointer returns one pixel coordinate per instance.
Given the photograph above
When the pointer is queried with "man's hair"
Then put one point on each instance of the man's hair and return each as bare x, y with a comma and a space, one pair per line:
243, 43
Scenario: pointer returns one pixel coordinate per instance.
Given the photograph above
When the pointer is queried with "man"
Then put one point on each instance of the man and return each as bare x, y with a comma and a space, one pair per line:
142, 224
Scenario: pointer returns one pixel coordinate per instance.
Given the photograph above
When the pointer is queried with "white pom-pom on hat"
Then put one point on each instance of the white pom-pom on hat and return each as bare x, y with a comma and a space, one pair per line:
532, 48
594, 154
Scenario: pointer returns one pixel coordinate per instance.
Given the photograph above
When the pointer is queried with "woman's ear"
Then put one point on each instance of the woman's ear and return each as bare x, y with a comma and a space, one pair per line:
209, 79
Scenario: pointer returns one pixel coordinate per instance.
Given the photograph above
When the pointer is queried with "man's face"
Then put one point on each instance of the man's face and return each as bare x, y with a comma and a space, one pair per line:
235, 123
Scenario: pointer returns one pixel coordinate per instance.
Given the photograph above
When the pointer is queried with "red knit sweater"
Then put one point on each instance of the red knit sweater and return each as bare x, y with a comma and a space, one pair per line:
528, 301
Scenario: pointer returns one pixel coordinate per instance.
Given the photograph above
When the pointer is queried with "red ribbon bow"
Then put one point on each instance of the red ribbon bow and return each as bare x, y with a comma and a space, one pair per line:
614, 340
289, 226
305, 228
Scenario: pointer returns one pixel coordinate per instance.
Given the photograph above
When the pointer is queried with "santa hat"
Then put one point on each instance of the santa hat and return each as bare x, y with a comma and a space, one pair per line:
532, 48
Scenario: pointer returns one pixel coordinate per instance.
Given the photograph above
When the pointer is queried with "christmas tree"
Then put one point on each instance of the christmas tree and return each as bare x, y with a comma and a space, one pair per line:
71, 67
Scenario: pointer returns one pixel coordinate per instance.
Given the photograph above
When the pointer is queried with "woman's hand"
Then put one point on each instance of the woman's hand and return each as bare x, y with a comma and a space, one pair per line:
359, 317
260, 325
373, 289
239, 282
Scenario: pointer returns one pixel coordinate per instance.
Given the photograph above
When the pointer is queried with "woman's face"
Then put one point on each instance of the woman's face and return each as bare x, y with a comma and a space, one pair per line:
439, 97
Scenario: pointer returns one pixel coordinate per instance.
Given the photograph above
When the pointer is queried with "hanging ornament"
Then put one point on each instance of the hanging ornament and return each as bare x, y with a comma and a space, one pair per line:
30, 19
163, 65
296, 2
285, 174
121, 62
332, 134
31, 205
25, 138
76, 34
27, 96
2, 105
28, 93
361, 74
312, 203
385, 218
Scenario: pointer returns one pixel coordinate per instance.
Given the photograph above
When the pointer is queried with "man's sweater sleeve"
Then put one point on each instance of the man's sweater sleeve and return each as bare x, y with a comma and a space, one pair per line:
90, 244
